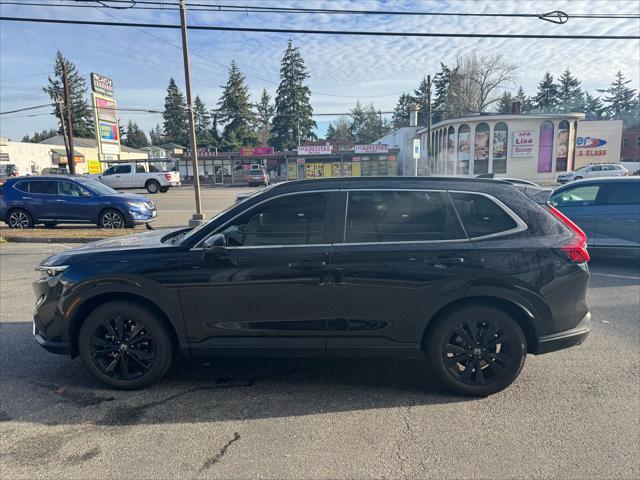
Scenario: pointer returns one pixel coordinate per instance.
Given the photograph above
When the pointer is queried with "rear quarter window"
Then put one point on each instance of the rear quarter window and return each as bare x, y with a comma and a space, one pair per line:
22, 186
481, 216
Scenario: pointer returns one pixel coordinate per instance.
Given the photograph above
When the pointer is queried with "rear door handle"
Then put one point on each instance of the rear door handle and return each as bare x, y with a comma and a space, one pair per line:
307, 265
444, 261
60, 200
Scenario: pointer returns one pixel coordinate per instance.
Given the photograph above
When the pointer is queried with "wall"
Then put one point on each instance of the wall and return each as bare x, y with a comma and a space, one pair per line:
402, 139
26, 155
631, 152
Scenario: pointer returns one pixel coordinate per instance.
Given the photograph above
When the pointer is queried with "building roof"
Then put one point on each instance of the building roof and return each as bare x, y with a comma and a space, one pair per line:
171, 145
84, 143
507, 117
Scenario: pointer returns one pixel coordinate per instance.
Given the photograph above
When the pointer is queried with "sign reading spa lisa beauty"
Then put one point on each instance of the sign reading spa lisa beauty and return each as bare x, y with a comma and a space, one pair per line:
315, 150
372, 148
523, 144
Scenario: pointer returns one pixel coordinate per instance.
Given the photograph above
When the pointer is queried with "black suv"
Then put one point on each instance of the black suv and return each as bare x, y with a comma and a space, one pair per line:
472, 273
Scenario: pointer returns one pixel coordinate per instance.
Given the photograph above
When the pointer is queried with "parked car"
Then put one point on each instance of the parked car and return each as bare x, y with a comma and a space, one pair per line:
27, 201
517, 181
607, 210
474, 274
54, 171
594, 170
9, 170
258, 177
132, 175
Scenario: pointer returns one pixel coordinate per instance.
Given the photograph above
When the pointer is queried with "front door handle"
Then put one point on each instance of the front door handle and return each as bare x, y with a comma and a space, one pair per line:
307, 265
60, 200
444, 261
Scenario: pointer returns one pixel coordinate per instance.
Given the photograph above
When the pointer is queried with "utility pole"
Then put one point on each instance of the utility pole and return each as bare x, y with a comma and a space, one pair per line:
197, 217
60, 104
71, 161
428, 121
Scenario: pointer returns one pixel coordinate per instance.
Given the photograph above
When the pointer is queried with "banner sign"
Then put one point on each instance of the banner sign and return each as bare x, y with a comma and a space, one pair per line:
94, 166
109, 132
315, 150
256, 151
202, 152
372, 148
105, 108
101, 84
523, 144
416, 148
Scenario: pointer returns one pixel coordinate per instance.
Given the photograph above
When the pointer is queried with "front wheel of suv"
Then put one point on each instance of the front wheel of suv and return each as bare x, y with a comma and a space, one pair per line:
476, 350
125, 346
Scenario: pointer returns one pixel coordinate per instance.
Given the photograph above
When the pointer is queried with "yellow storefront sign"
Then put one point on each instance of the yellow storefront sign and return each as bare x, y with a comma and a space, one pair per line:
94, 166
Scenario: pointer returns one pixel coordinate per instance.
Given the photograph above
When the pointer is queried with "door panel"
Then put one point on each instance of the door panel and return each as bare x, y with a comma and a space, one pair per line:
579, 204
72, 205
619, 214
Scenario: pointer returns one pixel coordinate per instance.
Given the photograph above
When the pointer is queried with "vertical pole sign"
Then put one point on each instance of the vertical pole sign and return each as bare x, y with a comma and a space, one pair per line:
106, 120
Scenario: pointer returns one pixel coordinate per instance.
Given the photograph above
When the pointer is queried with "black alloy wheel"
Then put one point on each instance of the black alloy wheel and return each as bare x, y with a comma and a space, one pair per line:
477, 350
125, 346
19, 218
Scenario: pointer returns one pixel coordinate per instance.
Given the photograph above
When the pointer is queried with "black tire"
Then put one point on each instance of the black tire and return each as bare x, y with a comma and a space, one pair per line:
111, 218
125, 346
19, 218
152, 186
50, 224
469, 334
164, 189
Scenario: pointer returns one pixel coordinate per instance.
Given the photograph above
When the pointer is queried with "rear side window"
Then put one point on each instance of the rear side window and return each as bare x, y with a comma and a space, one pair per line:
576, 197
397, 216
481, 216
619, 193
43, 187
22, 186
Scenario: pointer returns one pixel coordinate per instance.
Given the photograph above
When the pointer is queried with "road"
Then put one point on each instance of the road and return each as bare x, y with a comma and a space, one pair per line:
571, 414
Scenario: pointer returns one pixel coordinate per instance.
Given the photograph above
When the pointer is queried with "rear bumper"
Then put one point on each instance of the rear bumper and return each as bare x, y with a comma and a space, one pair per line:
566, 339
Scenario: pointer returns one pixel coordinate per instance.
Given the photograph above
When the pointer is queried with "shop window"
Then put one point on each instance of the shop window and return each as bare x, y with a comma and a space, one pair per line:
500, 136
451, 136
638, 141
545, 150
464, 141
562, 146
481, 149
624, 142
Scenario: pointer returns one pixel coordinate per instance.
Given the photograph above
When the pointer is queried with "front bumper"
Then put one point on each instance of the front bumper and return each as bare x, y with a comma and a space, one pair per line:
60, 348
566, 339
137, 217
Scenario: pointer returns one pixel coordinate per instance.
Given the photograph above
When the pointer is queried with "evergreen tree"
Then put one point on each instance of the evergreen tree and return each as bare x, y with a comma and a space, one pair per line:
214, 134
202, 122
340, 134
620, 99
546, 100
504, 104
443, 94
234, 111
592, 106
570, 98
293, 121
265, 111
81, 113
134, 137
421, 96
366, 124
175, 115
156, 135
40, 136
526, 104
402, 111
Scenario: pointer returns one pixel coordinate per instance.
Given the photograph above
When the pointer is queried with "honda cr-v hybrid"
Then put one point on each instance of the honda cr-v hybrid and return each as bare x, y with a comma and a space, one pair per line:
474, 274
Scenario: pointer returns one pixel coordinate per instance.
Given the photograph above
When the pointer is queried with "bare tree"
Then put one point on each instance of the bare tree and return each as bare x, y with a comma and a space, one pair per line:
493, 75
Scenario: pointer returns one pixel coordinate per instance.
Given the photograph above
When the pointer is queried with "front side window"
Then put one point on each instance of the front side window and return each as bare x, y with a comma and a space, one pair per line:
481, 216
288, 220
576, 197
397, 216
43, 187
70, 189
120, 169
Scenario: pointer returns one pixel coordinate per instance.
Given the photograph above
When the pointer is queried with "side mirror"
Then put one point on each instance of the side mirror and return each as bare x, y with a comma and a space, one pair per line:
84, 193
216, 243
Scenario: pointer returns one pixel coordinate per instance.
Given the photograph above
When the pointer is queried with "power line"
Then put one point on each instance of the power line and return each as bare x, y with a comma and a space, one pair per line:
28, 108
321, 32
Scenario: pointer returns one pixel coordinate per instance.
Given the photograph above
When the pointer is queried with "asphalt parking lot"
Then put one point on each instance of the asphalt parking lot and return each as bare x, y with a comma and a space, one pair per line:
571, 414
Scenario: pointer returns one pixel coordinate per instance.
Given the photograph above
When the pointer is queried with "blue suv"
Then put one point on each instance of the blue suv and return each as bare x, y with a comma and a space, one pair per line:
26, 201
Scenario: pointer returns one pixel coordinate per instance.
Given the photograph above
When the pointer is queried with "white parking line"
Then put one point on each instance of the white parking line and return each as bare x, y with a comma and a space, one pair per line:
615, 276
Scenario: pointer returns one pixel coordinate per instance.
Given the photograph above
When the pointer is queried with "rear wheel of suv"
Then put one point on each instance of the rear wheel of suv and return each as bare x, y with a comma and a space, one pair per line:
152, 186
164, 189
111, 219
476, 351
19, 218
125, 346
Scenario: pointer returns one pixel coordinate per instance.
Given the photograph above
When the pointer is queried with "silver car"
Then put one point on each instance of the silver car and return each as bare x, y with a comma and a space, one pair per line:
594, 170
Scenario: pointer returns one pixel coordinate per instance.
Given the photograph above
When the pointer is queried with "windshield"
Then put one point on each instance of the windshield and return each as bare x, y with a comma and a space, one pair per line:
98, 188
203, 225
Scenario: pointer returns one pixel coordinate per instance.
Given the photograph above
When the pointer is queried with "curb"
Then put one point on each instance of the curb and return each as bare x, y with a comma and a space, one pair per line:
54, 240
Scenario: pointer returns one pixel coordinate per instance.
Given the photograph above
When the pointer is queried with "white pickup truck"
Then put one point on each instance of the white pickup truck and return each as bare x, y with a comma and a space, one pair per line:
132, 175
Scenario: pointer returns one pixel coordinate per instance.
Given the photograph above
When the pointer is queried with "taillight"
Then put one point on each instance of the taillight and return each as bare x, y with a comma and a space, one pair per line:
167, 176
576, 247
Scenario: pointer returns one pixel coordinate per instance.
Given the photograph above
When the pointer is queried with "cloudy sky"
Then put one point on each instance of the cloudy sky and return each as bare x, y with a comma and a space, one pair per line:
343, 68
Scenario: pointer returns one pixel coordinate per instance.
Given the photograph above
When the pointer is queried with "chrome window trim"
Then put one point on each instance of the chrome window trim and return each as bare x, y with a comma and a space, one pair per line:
198, 247
521, 226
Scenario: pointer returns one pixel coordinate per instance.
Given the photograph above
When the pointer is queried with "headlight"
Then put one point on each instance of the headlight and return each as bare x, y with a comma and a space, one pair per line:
50, 272
140, 205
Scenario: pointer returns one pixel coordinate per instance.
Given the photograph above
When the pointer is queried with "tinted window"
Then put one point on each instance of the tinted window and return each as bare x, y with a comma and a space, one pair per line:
480, 215
70, 189
620, 193
22, 186
596, 169
122, 169
43, 187
288, 220
576, 197
396, 216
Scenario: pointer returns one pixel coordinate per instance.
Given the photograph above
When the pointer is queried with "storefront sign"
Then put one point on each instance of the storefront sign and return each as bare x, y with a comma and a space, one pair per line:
101, 84
300, 161
110, 149
372, 148
109, 132
523, 144
256, 151
105, 108
315, 150
93, 166
202, 152
416, 148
